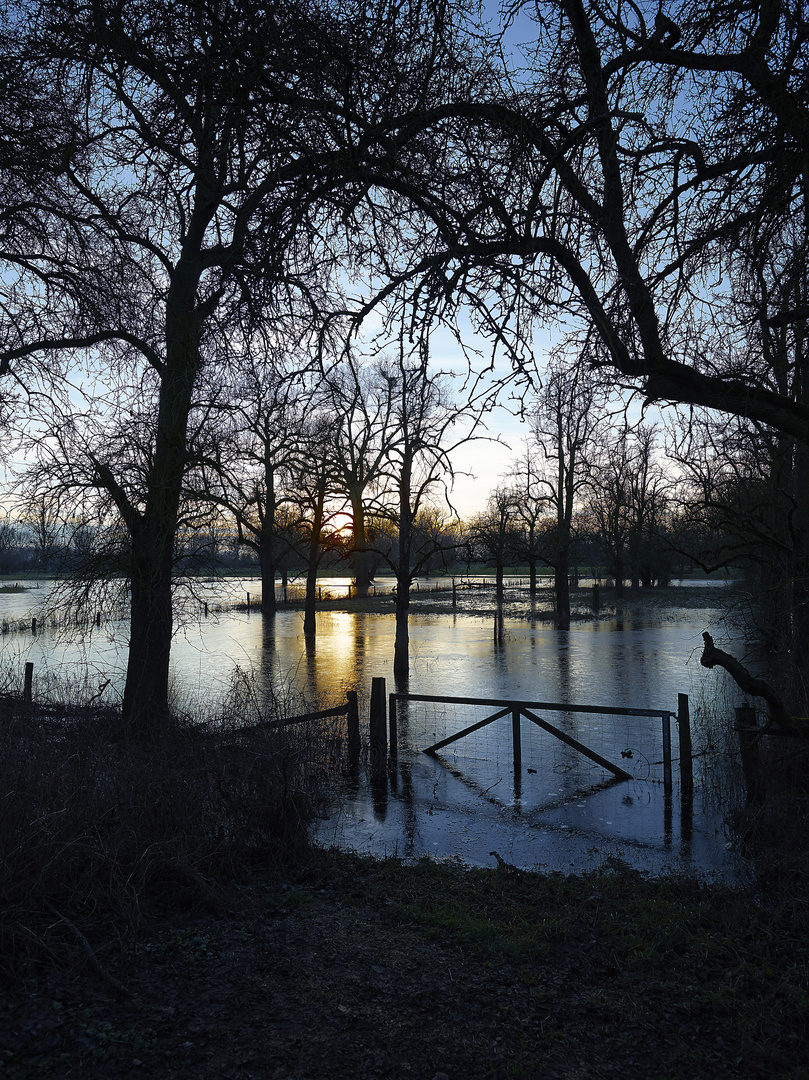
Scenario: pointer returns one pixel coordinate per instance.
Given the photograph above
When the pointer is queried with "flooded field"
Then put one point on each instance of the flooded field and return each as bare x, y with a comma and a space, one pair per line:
558, 809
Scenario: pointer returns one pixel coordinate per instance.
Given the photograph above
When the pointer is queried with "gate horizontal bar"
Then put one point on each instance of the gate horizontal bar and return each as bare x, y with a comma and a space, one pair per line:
608, 710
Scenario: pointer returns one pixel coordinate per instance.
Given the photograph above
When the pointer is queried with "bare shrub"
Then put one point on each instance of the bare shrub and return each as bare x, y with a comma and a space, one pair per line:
101, 829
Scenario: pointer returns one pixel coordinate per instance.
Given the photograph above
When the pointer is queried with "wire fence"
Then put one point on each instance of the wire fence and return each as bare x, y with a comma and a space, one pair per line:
582, 746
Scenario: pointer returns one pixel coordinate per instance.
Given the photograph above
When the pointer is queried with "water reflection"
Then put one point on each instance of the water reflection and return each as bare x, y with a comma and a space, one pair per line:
550, 810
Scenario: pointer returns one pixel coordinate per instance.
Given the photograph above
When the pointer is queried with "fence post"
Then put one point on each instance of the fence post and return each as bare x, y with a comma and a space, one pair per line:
33, 625
454, 599
393, 727
684, 734
378, 727
515, 738
748, 731
353, 720
667, 753
29, 677
248, 601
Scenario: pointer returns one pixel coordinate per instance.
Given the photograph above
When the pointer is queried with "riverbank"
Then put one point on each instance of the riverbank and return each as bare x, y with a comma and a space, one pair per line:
342, 968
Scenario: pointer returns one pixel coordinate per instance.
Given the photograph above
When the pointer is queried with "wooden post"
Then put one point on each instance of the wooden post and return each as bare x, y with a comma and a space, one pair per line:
454, 598
34, 625
516, 741
596, 598
353, 719
29, 679
378, 728
667, 753
749, 736
98, 618
248, 601
206, 609
393, 726
684, 734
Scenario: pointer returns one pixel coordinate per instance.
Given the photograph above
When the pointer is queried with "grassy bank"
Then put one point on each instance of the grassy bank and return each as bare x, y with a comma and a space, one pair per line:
340, 968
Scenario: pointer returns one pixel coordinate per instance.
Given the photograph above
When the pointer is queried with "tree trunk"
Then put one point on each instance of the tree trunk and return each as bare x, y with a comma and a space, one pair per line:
401, 650
266, 561
564, 519
799, 646
500, 591
309, 621
153, 533
746, 681
532, 577
635, 577
619, 575
145, 705
362, 572
266, 545
561, 580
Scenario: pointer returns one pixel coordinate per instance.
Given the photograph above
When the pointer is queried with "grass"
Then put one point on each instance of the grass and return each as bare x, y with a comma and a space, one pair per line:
700, 952
332, 965
185, 866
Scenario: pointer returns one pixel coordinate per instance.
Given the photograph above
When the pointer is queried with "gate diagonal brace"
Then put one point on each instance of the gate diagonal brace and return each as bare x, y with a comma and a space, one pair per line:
616, 770
467, 731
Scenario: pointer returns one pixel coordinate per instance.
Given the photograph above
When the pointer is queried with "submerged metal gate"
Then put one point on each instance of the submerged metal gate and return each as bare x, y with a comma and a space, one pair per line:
529, 710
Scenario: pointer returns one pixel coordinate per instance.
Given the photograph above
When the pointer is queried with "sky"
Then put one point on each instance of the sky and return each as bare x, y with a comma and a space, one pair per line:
481, 464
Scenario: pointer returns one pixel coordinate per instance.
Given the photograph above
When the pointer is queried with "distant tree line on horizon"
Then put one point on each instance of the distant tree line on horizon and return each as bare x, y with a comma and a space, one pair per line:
587, 497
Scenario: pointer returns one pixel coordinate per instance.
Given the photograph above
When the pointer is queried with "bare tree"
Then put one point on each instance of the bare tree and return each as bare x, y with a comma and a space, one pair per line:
649, 487
362, 405
533, 536
248, 448
418, 469
208, 162
610, 504
567, 421
316, 485
491, 534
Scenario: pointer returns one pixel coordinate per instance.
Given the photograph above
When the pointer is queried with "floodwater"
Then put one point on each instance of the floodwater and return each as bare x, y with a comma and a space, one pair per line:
556, 809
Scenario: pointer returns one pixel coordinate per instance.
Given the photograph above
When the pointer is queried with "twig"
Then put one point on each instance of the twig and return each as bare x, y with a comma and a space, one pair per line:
91, 957
505, 867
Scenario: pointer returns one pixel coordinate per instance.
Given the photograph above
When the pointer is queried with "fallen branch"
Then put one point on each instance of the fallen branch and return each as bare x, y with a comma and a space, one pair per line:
91, 957
750, 684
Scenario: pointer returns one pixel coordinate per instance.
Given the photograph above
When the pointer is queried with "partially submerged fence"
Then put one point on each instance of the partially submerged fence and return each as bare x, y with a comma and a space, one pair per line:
383, 727
529, 710
350, 710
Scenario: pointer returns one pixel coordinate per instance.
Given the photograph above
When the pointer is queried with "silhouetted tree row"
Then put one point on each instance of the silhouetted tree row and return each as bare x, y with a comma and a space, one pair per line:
203, 206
